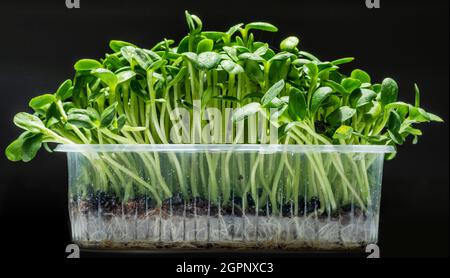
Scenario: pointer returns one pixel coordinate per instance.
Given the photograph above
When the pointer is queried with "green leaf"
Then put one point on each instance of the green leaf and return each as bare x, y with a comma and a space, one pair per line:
297, 104
344, 132
29, 122
64, 90
318, 97
289, 43
254, 71
272, 92
350, 84
300, 62
128, 52
340, 115
397, 105
208, 60
40, 101
191, 57
180, 75
107, 116
326, 66
106, 76
410, 130
434, 118
260, 51
206, 97
263, 26
96, 95
281, 56
394, 122
112, 62
87, 64
396, 137
162, 45
417, 98
213, 35
311, 69
157, 56
361, 97
308, 55
231, 67
251, 56
80, 120
183, 46
342, 61
376, 88
90, 112
158, 64
205, 45
116, 45
257, 95
31, 146
234, 29
361, 75
418, 114
142, 58
279, 112
138, 90
194, 23
331, 100
53, 112
121, 120
227, 98
389, 91
374, 112
93, 114
245, 111
124, 76
282, 131
275, 103
14, 150
231, 52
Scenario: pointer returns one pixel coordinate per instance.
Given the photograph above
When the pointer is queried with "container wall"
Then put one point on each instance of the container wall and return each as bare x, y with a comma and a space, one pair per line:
224, 199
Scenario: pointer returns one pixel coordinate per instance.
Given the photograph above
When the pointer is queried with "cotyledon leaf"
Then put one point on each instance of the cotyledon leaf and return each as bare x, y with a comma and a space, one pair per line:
340, 115
318, 97
245, 111
272, 92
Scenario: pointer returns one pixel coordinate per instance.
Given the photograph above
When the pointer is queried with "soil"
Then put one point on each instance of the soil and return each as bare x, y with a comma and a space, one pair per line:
236, 245
101, 221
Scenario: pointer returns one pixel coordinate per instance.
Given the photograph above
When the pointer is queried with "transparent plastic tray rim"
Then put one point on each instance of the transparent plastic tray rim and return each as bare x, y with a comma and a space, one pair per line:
261, 148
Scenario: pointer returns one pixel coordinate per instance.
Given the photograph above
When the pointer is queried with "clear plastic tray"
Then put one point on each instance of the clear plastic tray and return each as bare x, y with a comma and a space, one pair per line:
224, 196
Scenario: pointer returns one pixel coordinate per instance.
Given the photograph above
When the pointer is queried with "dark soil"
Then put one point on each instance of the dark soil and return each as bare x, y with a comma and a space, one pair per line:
107, 204
236, 245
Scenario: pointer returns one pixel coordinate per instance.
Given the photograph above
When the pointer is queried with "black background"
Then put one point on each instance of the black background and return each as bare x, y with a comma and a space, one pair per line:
406, 40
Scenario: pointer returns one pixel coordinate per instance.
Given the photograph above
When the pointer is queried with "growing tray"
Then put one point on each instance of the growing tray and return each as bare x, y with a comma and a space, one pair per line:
289, 197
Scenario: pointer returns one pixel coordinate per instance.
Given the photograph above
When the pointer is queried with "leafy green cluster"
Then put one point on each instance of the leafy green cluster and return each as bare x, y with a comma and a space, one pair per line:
127, 96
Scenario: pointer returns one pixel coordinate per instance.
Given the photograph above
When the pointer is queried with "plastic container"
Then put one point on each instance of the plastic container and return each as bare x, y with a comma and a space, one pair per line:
224, 196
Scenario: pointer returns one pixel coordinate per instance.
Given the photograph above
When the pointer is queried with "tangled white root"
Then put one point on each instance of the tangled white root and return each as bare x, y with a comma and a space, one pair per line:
246, 231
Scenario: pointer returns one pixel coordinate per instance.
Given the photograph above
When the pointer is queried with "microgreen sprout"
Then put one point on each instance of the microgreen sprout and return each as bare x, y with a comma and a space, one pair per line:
131, 96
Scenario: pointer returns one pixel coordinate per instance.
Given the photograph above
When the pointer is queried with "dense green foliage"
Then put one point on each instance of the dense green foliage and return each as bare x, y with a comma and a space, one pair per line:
127, 97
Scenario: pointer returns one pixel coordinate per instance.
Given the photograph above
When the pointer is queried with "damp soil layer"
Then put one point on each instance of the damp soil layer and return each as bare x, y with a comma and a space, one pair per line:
102, 222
